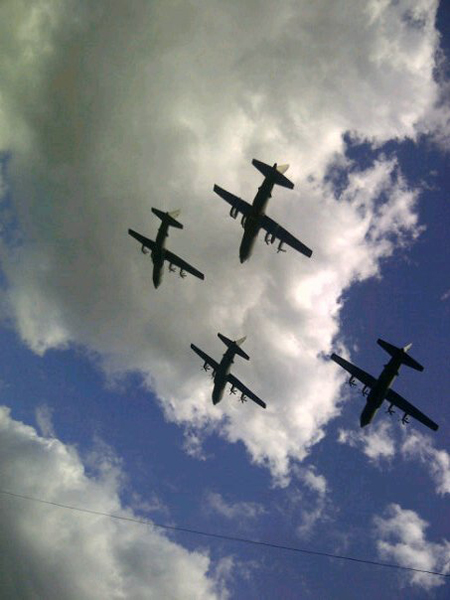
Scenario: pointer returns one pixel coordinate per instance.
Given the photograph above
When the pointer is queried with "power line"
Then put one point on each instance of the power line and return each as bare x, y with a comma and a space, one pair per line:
229, 538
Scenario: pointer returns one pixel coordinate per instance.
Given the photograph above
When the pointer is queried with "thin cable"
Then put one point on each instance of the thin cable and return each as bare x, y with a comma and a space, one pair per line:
225, 537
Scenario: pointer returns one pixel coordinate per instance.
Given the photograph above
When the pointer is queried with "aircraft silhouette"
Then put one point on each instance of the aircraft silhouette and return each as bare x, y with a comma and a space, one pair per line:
221, 371
254, 217
159, 254
377, 390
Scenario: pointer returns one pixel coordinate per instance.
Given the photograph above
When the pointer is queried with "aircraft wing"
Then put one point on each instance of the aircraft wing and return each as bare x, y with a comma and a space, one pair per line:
207, 359
364, 377
244, 390
279, 232
142, 239
182, 264
237, 203
409, 409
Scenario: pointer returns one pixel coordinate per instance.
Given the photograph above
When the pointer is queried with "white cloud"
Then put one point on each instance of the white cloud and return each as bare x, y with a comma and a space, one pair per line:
421, 447
44, 420
107, 112
446, 295
401, 538
306, 502
52, 553
315, 506
376, 441
233, 510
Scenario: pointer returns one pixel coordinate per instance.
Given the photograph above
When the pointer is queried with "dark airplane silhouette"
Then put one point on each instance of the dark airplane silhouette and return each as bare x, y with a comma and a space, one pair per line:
158, 251
378, 390
254, 217
221, 371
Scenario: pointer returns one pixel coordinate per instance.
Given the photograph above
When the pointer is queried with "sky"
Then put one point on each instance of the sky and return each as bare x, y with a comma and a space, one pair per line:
108, 111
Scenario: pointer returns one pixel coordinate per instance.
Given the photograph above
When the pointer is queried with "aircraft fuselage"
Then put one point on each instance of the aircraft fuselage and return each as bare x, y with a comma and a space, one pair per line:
378, 392
158, 253
220, 377
252, 221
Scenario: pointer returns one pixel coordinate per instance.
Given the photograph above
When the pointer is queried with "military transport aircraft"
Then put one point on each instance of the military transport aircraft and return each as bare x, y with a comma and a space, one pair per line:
221, 374
254, 217
158, 251
378, 390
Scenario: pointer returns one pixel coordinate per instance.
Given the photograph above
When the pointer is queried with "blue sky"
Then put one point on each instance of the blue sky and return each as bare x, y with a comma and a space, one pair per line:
101, 121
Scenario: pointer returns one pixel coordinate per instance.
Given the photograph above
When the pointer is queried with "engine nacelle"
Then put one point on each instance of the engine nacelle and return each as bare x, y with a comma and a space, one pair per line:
352, 381
182, 274
270, 238
234, 212
390, 409
365, 390
171, 268
243, 220
243, 398
405, 419
144, 249
280, 247
233, 390
206, 367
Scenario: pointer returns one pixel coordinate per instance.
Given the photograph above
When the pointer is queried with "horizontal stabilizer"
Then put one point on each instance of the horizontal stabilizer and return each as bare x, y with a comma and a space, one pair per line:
235, 345
274, 173
402, 353
168, 217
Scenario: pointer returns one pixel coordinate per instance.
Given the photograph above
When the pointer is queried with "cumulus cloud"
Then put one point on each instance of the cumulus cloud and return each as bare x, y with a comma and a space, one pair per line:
375, 442
401, 537
52, 553
107, 112
421, 447
215, 502
379, 443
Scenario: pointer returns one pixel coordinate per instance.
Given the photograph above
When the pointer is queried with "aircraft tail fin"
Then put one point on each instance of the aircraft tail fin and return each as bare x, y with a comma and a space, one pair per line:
402, 352
168, 217
235, 345
275, 173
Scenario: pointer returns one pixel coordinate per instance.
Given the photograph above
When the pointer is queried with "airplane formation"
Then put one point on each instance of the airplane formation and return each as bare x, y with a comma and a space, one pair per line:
253, 219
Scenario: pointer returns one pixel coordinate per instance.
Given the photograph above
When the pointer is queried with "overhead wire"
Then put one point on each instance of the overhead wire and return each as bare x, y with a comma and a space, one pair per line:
220, 536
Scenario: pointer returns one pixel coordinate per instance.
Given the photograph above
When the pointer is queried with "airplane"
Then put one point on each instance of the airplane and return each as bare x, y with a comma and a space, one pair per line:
254, 217
221, 371
377, 390
158, 251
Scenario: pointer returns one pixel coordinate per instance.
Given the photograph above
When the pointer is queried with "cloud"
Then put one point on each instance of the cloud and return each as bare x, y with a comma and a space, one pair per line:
215, 502
52, 553
107, 112
378, 443
306, 502
421, 447
375, 442
446, 295
44, 420
401, 538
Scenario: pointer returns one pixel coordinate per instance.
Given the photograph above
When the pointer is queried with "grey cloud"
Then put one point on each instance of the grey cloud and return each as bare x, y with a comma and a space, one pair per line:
48, 552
